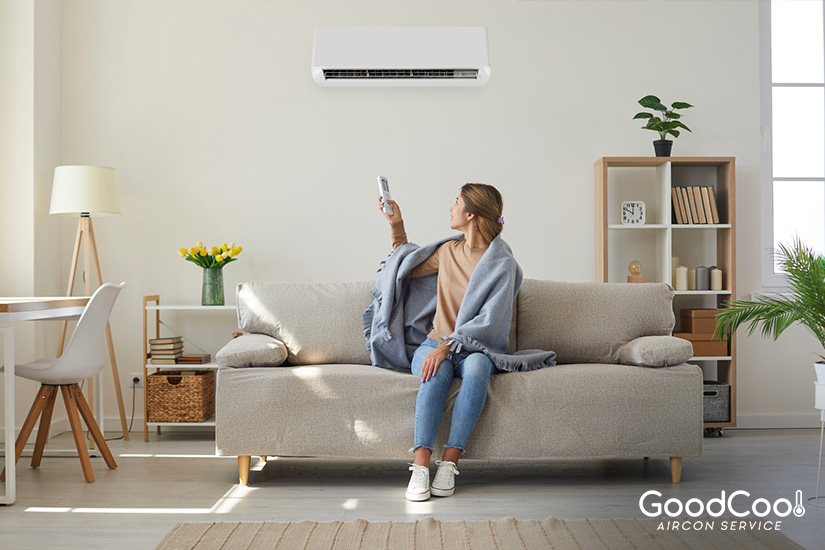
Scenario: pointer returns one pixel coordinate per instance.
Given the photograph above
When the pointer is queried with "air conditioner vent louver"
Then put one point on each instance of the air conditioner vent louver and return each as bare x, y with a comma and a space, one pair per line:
401, 56
369, 74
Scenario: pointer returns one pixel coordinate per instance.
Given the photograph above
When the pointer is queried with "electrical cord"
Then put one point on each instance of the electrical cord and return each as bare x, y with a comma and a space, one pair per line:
131, 420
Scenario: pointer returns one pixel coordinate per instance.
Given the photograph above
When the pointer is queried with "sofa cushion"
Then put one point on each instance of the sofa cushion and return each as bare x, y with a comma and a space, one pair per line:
252, 350
583, 411
590, 322
318, 322
656, 351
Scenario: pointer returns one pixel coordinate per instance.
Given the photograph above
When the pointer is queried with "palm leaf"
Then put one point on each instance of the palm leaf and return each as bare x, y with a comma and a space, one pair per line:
805, 305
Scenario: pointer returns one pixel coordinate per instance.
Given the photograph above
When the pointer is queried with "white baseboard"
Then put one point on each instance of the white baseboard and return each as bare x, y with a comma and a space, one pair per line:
62, 426
58, 427
769, 421
111, 424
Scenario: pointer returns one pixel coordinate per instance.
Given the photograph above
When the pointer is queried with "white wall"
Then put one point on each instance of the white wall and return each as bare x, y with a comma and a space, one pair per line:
30, 144
218, 133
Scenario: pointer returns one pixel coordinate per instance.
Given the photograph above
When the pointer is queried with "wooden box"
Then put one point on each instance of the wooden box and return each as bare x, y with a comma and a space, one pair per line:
180, 396
704, 345
699, 321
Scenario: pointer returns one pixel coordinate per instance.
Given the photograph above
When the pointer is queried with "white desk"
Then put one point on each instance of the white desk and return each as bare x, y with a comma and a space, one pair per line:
13, 310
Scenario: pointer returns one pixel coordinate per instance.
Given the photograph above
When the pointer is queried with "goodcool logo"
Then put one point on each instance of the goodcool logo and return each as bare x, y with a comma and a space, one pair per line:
737, 504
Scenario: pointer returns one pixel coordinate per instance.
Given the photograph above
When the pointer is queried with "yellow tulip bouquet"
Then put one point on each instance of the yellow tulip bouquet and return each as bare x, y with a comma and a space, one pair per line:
212, 262
214, 257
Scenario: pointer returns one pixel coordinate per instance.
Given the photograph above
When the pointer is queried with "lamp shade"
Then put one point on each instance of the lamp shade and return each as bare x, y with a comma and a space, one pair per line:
84, 190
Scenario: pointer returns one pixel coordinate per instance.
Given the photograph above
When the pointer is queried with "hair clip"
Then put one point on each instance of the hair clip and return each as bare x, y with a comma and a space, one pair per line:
500, 220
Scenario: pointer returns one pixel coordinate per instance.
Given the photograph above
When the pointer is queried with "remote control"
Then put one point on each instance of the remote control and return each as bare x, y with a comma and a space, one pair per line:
384, 192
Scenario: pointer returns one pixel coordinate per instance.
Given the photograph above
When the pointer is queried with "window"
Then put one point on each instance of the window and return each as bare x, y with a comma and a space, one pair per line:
793, 118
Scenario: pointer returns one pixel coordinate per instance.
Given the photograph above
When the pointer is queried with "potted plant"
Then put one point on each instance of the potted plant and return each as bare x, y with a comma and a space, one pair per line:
666, 123
805, 304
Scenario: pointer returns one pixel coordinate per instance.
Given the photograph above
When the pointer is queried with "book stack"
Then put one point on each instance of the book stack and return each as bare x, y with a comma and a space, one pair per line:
165, 351
195, 359
694, 205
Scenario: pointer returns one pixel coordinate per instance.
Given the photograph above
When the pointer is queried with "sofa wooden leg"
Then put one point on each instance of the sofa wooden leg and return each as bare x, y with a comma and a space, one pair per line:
676, 469
647, 458
243, 469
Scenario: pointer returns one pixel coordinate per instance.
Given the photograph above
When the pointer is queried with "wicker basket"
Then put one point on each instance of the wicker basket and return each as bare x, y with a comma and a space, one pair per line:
176, 397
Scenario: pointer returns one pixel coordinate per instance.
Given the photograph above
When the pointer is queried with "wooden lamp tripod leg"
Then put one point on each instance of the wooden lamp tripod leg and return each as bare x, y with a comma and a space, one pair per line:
84, 225
112, 358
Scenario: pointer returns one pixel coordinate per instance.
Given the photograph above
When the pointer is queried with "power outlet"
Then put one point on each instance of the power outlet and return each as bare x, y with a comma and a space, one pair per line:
135, 380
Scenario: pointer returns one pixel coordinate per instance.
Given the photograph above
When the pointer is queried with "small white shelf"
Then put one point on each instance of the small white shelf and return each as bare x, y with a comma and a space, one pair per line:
184, 366
151, 304
700, 226
638, 227
191, 307
209, 422
617, 226
701, 292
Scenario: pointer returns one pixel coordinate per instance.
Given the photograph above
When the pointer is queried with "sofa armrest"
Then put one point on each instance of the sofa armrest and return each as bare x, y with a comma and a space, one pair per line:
656, 351
252, 350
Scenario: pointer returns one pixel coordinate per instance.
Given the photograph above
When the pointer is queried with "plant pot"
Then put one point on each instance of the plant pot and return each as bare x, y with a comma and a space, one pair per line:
212, 290
662, 147
819, 366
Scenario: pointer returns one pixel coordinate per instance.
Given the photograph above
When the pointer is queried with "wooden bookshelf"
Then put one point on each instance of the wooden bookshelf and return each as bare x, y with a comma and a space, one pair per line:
650, 179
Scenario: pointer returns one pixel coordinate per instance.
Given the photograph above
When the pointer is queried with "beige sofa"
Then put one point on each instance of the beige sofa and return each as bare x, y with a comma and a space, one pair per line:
326, 400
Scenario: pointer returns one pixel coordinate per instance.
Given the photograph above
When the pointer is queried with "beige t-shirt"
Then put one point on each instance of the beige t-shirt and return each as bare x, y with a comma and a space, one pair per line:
454, 261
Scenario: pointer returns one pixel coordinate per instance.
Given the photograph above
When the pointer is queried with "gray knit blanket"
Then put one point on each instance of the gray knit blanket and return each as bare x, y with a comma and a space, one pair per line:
401, 314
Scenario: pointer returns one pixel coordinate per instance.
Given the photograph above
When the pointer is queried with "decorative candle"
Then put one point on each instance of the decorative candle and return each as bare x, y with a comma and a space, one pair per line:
692, 279
702, 278
674, 263
715, 278
681, 278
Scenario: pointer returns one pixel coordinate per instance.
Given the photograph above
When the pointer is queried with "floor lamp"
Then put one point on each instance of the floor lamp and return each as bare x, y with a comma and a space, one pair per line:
83, 191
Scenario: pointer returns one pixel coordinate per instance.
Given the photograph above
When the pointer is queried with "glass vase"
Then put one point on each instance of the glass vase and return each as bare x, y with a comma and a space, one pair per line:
212, 292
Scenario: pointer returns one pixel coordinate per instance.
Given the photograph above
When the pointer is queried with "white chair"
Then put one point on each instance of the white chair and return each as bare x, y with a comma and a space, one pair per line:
84, 357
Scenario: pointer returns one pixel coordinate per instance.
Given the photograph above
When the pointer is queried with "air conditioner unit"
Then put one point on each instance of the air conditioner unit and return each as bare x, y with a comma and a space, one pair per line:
401, 56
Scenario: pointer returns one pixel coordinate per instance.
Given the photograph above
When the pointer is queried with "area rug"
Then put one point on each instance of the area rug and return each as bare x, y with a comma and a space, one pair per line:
431, 534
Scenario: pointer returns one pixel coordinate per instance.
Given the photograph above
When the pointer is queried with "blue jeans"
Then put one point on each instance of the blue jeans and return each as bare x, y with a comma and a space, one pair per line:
474, 370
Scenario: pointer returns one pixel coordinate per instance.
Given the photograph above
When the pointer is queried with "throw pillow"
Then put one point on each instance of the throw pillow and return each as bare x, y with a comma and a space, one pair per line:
252, 350
656, 351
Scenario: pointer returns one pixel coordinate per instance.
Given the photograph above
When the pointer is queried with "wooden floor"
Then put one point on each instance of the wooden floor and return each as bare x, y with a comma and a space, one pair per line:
176, 478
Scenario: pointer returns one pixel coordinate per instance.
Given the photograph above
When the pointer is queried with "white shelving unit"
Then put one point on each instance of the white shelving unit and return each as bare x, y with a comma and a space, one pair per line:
650, 179
157, 308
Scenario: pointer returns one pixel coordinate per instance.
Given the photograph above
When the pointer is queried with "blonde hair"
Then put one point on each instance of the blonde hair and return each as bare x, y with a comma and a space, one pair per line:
486, 203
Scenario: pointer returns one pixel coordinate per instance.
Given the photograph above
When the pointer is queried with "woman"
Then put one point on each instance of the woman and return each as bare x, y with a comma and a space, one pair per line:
477, 214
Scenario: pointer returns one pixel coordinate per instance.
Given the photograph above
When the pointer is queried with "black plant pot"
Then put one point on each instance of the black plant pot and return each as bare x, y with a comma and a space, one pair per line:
662, 147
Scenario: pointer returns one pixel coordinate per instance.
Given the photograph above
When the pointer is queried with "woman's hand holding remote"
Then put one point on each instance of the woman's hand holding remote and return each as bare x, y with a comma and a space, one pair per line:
396, 210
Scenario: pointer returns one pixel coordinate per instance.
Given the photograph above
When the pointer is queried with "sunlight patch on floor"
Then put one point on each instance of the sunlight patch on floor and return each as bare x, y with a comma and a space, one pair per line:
224, 505
419, 508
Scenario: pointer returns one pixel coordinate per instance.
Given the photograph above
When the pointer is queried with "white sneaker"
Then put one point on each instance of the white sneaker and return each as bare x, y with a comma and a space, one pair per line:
444, 481
419, 487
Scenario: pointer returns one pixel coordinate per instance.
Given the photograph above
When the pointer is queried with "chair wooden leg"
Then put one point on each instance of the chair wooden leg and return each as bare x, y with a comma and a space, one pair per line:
89, 418
243, 469
77, 432
28, 426
676, 469
45, 426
